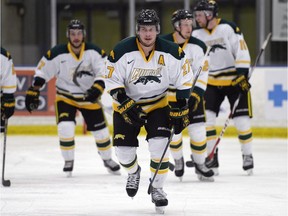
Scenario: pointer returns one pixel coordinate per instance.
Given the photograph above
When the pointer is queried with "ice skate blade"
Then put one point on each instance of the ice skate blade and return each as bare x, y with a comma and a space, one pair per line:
160, 209
205, 179
113, 172
180, 178
249, 172
69, 174
216, 171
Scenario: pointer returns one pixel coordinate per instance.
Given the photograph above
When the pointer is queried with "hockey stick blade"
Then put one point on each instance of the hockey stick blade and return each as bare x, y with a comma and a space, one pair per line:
6, 183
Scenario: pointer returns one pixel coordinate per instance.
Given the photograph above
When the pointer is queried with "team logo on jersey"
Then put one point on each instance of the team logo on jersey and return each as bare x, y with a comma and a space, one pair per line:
80, 73
144, 76
62, 115
161, 60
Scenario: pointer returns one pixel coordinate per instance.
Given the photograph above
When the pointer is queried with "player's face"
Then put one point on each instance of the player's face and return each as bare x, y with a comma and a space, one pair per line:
147, 35
200, 18
76, 37
186, 27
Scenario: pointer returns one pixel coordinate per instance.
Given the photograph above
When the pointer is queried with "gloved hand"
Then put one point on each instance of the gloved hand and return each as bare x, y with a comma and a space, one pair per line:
7, 106
32, 99
95, 92
132, 113
194, 101
241, 82
179, 116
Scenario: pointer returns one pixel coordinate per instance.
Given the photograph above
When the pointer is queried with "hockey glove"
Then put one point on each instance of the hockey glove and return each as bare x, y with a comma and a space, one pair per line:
32, 99
132, 113
95, 92
179, 116
7, 106
241, 83
194, 101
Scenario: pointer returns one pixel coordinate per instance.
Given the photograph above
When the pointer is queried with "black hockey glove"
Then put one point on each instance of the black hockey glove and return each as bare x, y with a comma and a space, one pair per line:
132, 113
95, 92
179, 115
194, 101
241, 82
32, 99
7, 106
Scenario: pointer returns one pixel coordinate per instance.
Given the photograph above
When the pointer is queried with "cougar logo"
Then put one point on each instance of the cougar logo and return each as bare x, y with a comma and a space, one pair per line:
119, 136
146, 79
79, 74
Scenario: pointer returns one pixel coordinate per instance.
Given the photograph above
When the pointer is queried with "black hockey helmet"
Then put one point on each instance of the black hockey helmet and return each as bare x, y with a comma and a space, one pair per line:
75, 24
148, 17
207, 5
179, 15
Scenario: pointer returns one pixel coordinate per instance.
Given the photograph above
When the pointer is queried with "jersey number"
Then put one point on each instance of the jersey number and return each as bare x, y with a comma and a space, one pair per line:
243, 45
111, 70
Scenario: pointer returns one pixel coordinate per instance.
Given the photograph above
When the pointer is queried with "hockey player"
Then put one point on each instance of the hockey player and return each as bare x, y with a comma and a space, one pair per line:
228, 71
79, 68
195, 50
8, 83
139, 72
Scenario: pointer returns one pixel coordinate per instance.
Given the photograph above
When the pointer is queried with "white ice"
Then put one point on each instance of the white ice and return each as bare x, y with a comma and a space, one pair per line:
40, 188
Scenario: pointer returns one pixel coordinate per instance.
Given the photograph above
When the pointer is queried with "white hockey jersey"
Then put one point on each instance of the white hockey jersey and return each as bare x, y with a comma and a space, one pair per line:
147, 80
195, 50
74, 74
8, 80
225, 64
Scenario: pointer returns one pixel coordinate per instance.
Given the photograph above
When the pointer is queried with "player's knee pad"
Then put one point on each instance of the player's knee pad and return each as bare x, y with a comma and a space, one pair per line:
197, 132
66, 129
101, 134
157, 146
125, 154
242, 123
210, 118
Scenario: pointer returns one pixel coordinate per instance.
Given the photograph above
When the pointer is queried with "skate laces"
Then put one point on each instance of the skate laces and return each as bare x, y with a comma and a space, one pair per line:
158, 194
179, 164
133, 180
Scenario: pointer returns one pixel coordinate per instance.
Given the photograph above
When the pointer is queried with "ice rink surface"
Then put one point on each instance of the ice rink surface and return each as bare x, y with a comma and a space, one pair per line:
40, 188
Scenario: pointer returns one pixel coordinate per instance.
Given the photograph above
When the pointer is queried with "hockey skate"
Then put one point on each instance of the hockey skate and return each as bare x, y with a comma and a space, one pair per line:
248, 164
213, 163
179, 168
68, 167
112, 166
159, 199
133, 183
203, 173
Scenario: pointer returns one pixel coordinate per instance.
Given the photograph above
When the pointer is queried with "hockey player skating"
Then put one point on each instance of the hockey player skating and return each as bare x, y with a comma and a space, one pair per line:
79, 68
139, 71
195, 51
8, 83
228, 71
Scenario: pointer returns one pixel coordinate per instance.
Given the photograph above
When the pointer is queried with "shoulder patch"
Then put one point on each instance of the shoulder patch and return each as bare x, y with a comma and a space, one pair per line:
5, 53
232, 25
169, 47
125, 46
55, 51
89, 46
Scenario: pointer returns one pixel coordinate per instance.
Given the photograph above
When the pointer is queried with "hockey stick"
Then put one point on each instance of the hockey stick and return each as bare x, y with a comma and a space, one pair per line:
209, 49
5, 183
211, 155
161, 160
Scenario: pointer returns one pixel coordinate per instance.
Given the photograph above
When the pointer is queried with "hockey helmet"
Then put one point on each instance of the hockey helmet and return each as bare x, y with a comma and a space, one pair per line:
179, 15
75, 24
148, 17
207, 5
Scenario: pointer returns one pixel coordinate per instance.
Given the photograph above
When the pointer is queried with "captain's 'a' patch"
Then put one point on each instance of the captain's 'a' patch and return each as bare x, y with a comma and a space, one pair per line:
161, 60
